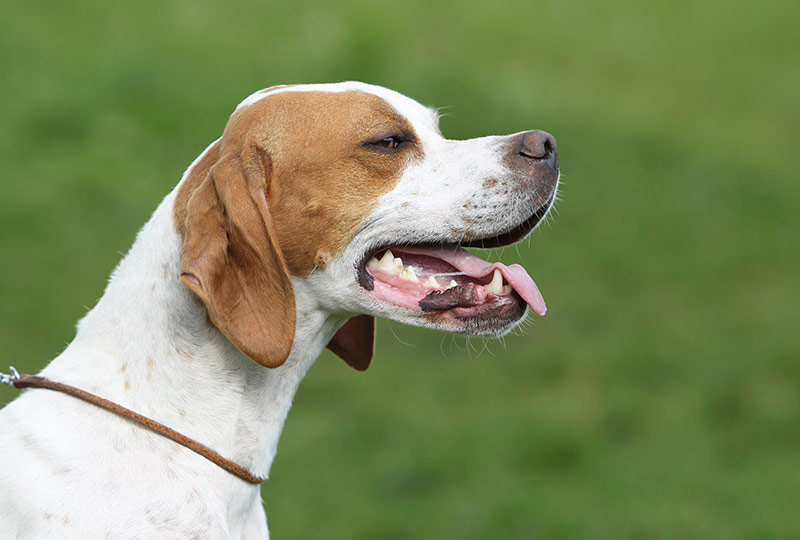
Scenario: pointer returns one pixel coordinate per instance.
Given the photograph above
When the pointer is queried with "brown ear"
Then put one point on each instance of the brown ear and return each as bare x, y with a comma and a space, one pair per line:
355, 342
232, 261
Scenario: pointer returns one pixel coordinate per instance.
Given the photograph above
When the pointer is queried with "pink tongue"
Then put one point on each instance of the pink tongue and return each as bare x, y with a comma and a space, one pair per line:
475, 267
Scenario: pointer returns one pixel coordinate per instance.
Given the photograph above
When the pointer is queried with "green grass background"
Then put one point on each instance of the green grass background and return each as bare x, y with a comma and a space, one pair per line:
659, 398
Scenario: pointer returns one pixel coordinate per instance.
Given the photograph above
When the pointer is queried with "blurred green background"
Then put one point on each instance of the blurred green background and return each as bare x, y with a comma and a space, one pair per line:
659, 398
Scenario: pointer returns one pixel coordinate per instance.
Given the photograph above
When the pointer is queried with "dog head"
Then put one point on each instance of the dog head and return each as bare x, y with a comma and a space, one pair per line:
353, 190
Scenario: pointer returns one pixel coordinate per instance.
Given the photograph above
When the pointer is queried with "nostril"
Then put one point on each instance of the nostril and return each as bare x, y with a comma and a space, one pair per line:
548, 147
538, 145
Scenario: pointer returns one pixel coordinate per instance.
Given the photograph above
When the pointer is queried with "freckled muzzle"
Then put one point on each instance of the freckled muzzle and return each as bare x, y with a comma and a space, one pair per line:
439, 279
532, 159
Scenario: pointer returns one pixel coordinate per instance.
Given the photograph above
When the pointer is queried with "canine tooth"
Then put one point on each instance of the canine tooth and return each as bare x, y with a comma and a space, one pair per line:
387, 261
496, 285
432, 283
452, 284
388, 257
409, 274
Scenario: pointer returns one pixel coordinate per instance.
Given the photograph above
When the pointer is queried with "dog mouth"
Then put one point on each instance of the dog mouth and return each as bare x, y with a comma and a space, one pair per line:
442, 278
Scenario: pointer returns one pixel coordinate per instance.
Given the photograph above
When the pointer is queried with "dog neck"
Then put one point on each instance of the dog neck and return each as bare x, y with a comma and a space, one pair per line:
148, 345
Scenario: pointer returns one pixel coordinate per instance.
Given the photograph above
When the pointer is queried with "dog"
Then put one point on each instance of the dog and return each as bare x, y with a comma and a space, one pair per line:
319, 208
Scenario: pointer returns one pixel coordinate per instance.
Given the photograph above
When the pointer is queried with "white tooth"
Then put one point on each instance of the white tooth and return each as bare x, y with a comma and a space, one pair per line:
432, 283
398, 263
373, 263
387, 262
388, 257
452, 284
409, 274
496, 285
507, 289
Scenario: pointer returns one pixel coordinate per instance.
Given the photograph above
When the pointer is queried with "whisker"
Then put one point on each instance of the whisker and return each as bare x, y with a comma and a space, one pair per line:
441, 346
391, 329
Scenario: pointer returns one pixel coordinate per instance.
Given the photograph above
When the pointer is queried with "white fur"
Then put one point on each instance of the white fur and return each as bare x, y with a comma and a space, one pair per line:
71, 470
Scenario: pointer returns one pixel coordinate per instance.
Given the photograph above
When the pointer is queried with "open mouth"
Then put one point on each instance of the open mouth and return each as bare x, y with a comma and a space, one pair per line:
435, 278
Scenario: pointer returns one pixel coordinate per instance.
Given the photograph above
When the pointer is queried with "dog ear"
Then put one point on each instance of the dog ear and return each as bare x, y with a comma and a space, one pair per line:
232, 261
355, 342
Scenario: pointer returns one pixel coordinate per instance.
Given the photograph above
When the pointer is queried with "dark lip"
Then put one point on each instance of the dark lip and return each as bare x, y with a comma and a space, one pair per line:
511, 236
487, 319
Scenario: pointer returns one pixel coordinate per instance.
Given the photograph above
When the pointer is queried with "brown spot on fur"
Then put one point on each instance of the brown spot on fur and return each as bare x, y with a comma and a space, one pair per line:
489, 183
123, 368
47, 515
127, 385
321, 260
468, 221
405, 204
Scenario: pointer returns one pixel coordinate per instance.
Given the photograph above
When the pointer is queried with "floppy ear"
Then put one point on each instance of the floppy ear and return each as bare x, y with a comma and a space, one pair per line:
355, 342
232, 261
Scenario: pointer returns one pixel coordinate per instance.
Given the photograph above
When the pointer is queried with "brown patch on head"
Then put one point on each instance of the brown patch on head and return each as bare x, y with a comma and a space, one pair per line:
284, 190
326, 178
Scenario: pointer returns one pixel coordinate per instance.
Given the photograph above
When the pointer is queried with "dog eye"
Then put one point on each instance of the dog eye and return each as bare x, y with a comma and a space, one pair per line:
390, 143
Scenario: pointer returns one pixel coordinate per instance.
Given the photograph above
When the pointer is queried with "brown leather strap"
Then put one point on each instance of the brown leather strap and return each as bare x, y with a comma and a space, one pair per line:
34, 381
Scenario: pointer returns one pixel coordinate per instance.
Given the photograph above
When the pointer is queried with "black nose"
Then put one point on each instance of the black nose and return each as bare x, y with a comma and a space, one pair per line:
539, 146
534, 156
533, 160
